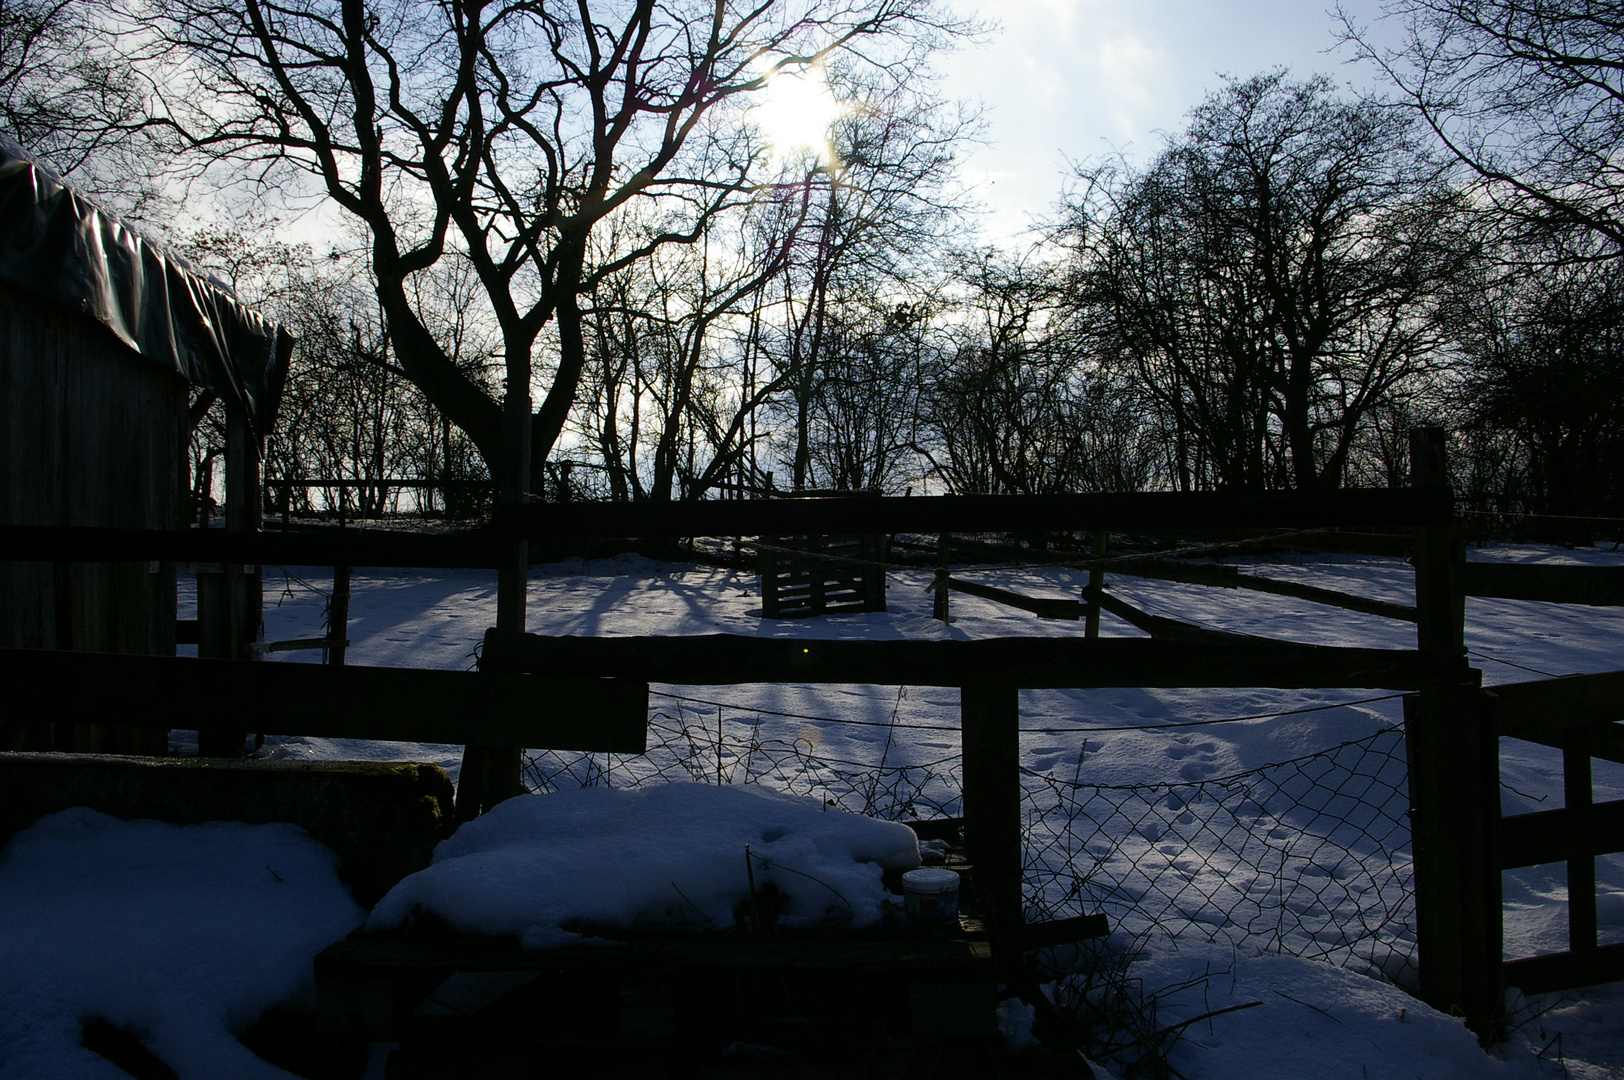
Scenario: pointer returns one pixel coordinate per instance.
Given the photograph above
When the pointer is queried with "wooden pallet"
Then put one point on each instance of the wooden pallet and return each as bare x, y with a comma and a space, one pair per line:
805, 576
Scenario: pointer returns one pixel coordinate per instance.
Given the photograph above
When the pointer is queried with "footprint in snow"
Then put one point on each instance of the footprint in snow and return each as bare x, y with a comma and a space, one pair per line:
1200, 758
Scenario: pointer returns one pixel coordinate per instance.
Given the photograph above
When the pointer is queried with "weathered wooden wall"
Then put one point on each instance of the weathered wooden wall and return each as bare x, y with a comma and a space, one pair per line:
91, 434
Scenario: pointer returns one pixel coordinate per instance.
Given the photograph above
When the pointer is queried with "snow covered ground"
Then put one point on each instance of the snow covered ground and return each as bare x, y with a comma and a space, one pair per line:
1173, 762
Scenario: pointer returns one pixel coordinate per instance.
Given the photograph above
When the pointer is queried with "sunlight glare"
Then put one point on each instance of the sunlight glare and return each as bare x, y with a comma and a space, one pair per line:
795, 113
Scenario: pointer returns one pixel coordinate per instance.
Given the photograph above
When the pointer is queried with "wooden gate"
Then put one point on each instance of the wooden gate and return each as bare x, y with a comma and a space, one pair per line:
1462, 843
1578, 715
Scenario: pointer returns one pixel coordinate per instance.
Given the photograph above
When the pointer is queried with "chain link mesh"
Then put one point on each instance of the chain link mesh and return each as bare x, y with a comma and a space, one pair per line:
1309, 857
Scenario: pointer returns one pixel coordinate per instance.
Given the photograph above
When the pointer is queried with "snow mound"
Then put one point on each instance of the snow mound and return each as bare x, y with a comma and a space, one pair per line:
181, 933
1313, 1020
662, 855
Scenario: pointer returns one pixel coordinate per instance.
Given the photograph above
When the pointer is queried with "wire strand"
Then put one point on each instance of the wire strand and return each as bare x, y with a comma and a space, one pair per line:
1031, 730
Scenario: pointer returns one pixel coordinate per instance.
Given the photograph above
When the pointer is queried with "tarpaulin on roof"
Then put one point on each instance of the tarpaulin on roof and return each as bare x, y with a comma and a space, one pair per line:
56, 244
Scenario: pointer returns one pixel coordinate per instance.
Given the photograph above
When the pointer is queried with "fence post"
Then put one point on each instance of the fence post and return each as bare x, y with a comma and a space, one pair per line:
944, 563
990, 734
1096, 585
338, 617
1578, 794
1454, 776
229, 602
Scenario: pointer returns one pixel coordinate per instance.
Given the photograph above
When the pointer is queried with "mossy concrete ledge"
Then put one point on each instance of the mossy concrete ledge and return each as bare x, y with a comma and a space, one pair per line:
381, 818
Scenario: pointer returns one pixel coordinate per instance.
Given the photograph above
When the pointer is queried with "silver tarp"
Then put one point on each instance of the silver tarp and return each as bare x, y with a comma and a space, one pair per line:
58, 245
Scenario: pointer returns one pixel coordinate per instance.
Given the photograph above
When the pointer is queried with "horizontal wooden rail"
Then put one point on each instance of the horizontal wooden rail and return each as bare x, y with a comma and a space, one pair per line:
1562, 835
1605, 741
1042, 607
1163, 628
1030, 663
1596, 586
301, 644
1145, 511
392, 704
1543, 974
1544, 708
1400, 507
1229, 577
327, 547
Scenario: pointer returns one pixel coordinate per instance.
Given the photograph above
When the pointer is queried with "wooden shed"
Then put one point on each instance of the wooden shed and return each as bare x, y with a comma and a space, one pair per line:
102, 336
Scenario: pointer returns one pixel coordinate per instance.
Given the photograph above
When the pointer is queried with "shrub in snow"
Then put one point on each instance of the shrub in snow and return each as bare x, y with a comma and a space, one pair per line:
666, 854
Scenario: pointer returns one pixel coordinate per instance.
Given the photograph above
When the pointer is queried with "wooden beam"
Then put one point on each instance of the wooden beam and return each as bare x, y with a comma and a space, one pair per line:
393, 704
1042, 607
1096, 585
1132, 512
1543, 708
752, 517
1579, 797
1454, 796
993, 837
1605, 741
338, 616
1034, 663
1564, 971
1229, 577
1562, 835
1065, 931
1596, 586
328, 547
1163, 628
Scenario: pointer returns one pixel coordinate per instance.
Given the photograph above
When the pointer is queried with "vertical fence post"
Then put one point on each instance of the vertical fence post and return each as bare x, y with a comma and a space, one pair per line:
990, 719
338, 617
491, 774
1454, 781
1096, 585
1578, 795
228, 603
944, 562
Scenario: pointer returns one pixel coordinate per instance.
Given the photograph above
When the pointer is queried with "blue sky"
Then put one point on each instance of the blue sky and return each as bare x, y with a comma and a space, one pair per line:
1082, 78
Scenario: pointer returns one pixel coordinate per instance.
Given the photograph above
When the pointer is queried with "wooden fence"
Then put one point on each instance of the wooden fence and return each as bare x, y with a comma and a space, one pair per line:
535, 691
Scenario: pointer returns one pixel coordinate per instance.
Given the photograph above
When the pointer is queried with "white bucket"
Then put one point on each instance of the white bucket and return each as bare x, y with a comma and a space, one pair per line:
931, 896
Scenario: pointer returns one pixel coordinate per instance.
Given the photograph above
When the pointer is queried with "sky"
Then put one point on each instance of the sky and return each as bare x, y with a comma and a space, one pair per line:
1079, 79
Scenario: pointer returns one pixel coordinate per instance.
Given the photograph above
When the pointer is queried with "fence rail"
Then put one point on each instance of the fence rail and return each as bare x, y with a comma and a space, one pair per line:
392, 704
1027, 663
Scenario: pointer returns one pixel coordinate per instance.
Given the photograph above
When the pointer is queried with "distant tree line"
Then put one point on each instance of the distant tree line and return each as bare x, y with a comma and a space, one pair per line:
569, 265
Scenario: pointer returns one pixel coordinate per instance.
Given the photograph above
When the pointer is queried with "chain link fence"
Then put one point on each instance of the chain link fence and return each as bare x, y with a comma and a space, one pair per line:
1309, 856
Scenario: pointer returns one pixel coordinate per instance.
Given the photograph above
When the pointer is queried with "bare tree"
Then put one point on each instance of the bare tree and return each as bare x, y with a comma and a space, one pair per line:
1273, 276
880, 222
1528, 95
66, 99
499, 134
776, 312
1013, 404
1546, 356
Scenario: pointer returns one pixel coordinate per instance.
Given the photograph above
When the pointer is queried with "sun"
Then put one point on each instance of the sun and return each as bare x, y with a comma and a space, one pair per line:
794, 114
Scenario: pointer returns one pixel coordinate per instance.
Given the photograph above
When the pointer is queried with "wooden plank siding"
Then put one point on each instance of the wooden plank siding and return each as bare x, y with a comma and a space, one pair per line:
90, 435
